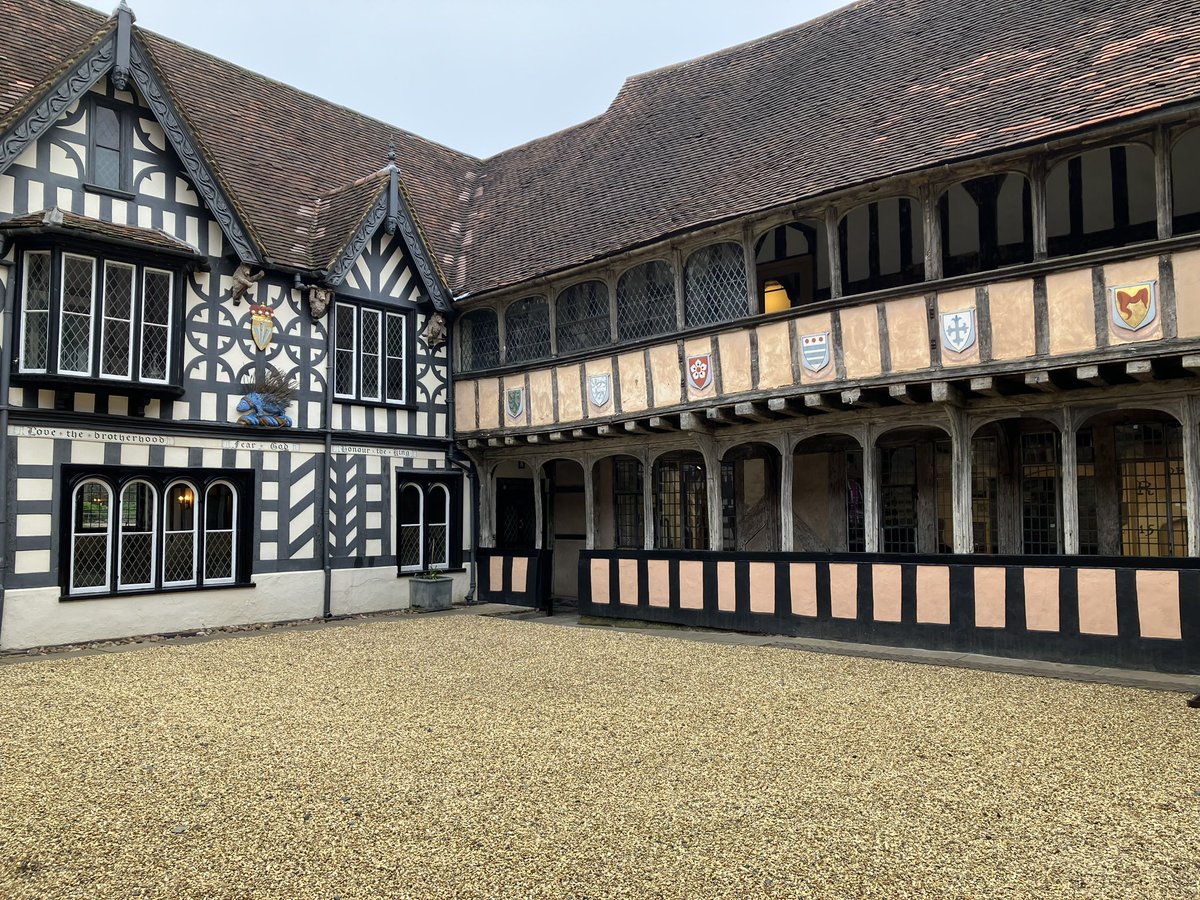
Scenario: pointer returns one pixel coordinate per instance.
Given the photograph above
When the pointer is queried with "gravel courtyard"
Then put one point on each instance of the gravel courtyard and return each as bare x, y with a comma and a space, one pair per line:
471, 757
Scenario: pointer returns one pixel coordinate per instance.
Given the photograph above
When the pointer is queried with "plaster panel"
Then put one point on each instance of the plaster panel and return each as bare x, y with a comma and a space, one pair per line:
843, 590
860, 341
1071, 311
691, 584
1097, 601
885, 582
541, 397
735, 362
1158, 605
570, 400
665, 375
813, 325
1124, 274
762, 588
600, 581
804, 589
774, 355
376, 589
908, 334
1187, 293
631, 368
989, 597
658, 574
489, 403
933, 595
464, 406
600, 367
695, 348
957, 301
520, 574
1012, 318
1041, 599
627, 582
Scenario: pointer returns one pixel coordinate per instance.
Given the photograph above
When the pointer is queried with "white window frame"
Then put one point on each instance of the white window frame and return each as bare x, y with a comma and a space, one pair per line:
231, 531
47, 312
196, 511
73, 590
444, 562
380, 340
340, 309
402, 319
105, 319
170, 325
62, 314
419, 525
122, 586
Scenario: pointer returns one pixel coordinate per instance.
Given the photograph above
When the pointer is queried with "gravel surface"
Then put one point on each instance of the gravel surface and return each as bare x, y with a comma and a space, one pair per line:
471, 757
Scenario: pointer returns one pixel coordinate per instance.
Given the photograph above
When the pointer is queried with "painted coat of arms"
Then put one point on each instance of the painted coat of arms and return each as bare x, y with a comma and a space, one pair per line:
814, 351
514, 401
700, 371
1135, 306
958, 330
600, 389
262, 324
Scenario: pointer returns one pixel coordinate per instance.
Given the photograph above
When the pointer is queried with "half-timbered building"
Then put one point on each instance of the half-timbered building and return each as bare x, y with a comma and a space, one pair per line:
885, 328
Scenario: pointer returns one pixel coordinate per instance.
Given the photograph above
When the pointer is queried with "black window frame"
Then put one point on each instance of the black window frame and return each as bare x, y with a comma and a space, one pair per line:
125, 116
101, 253
426, 482
117, 478
410, 349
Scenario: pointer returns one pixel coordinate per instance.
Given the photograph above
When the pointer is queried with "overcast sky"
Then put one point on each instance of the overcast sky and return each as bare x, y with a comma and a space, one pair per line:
478, 75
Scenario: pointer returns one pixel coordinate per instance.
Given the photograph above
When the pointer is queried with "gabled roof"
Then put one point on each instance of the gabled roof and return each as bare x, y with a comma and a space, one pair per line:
873, 90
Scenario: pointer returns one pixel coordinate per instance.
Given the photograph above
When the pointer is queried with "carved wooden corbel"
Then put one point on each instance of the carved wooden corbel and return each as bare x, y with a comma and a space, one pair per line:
243, 280
434, 332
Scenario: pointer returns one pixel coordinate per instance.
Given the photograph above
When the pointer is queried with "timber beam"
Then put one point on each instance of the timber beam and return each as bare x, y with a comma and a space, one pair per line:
821, 403
495, 442
1140, 369
1040, 381
901, 393
753, 412
716, 415
785, 407
557, 437
582, 434
664, 423
945, 392
859, 398
690, 421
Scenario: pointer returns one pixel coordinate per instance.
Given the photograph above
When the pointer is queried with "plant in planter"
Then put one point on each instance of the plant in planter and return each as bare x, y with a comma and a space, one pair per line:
430, 590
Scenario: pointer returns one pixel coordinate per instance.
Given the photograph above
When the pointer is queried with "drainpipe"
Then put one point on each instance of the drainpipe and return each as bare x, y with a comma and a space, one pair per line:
327, 428
6, 358
462, 462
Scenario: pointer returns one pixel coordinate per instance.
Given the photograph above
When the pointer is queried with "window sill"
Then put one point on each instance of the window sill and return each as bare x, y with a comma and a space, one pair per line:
86, 384
376, 404
115, 193
150, 592
452, 571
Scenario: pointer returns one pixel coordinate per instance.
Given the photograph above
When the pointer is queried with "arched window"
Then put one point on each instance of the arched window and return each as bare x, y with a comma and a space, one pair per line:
794, 255
437, 527
715, 284
1185, 182
135, 550
1101, 198
680, 502
179, 535
412, 518
882, 245
220, 536
582, 317
527, 330
91, 538
646, 301
478, 340
986, 223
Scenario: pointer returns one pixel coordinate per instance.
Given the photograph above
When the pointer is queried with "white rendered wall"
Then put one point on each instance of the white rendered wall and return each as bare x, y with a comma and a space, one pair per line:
378, 589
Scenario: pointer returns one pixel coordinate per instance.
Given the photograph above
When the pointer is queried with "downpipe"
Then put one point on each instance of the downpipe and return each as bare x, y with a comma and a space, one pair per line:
460, 461
6, 360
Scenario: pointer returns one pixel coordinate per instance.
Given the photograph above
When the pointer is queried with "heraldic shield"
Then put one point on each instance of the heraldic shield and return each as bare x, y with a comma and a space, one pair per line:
700, 371
814, 351
262, 325
515, 401
958, 330
1134, 307
600, 389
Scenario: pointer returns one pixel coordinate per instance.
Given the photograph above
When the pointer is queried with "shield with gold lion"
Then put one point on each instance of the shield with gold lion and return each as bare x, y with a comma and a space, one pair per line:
1135, 306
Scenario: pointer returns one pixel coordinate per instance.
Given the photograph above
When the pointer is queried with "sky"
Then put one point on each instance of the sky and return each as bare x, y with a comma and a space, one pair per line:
475, 75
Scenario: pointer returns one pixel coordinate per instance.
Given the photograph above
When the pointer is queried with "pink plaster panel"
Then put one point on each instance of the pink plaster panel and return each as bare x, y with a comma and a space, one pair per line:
804, 589
1158, 604
1097, 601
520, 583
843, 590
885, 580
989, 597
658, 572
600, 579
762, 588
1041, 599
691, 584
933, 595
627, 582
726, 586
496, 574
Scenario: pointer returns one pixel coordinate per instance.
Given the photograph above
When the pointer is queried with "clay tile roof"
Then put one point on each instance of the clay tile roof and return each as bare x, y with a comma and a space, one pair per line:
338, 215
128, 235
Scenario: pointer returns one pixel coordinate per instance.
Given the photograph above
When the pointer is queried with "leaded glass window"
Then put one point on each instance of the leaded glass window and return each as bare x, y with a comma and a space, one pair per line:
1152, 494
220, 544
715, 285
582, 313
35, 315
77, 305
179, 535
478, 340
412, 514
898, 499
91, 536
680, 502
527, 330
394, 368
135, 554
116, 337
1041, 493
157, 290
646, 301
345, 329
628, 508
107, 166
369, 353
437, 526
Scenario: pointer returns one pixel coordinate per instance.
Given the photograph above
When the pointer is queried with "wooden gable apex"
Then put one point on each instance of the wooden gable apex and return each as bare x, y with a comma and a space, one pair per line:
392, 212
117, 49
